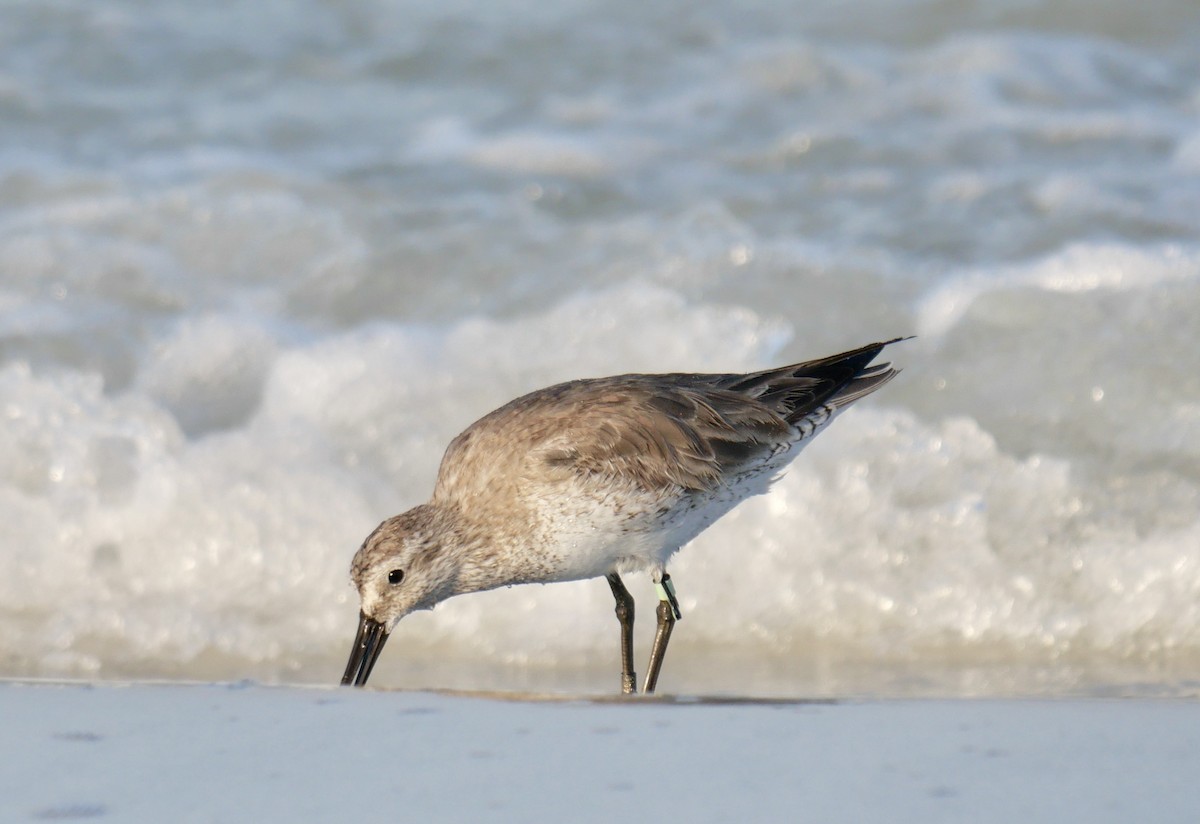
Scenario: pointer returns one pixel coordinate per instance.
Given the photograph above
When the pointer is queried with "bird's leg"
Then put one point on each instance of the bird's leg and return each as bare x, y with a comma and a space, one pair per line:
668, 613
624, 612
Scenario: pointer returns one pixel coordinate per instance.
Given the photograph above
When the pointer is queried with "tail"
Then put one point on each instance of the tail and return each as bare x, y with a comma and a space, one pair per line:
809, 393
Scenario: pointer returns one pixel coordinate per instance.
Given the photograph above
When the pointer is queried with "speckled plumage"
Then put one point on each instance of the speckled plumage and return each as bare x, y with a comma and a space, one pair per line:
597, 477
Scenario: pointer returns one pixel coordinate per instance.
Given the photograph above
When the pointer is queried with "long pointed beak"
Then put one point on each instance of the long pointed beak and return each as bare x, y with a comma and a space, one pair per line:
368, 643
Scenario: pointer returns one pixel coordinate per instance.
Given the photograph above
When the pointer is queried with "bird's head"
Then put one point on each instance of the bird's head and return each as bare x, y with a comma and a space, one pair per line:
399, 569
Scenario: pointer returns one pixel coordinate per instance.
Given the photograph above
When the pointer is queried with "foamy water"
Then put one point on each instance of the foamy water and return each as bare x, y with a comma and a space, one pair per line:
258, 265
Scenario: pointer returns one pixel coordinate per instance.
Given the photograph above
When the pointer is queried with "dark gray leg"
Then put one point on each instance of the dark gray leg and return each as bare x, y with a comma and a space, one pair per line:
668, 614
625, 616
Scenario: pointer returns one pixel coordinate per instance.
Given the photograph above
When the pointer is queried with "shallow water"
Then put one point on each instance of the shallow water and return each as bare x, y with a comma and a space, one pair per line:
260, 262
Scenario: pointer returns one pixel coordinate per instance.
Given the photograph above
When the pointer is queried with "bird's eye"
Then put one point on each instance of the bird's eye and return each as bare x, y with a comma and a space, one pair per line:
395, 576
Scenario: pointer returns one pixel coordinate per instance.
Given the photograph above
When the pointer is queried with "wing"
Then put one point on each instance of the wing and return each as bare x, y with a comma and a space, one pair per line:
684, 431
796, 391
655, 433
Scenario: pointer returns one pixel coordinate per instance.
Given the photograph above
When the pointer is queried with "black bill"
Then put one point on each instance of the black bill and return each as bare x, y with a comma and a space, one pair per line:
369, 642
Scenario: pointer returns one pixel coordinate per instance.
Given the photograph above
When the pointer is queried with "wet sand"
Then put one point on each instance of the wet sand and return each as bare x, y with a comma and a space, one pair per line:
243, 752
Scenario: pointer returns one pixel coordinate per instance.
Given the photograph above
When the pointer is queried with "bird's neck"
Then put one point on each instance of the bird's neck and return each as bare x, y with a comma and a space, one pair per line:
481, 553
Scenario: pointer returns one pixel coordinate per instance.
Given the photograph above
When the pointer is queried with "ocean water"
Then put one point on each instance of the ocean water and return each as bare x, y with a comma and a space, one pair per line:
259, 262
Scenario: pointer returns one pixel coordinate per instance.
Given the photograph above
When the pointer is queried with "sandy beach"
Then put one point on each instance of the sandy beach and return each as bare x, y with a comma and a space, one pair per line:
242, 752
261, 262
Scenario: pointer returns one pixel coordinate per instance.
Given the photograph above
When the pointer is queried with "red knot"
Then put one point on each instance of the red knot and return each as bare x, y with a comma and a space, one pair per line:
598, 477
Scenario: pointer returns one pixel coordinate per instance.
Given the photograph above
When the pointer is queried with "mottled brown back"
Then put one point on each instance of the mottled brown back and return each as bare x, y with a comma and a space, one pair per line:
655, 431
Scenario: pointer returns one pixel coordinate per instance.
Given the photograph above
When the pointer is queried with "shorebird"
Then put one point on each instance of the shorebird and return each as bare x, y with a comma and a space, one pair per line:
597, 477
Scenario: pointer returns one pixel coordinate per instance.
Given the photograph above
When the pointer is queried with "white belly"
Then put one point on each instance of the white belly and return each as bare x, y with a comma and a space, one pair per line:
587, 535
